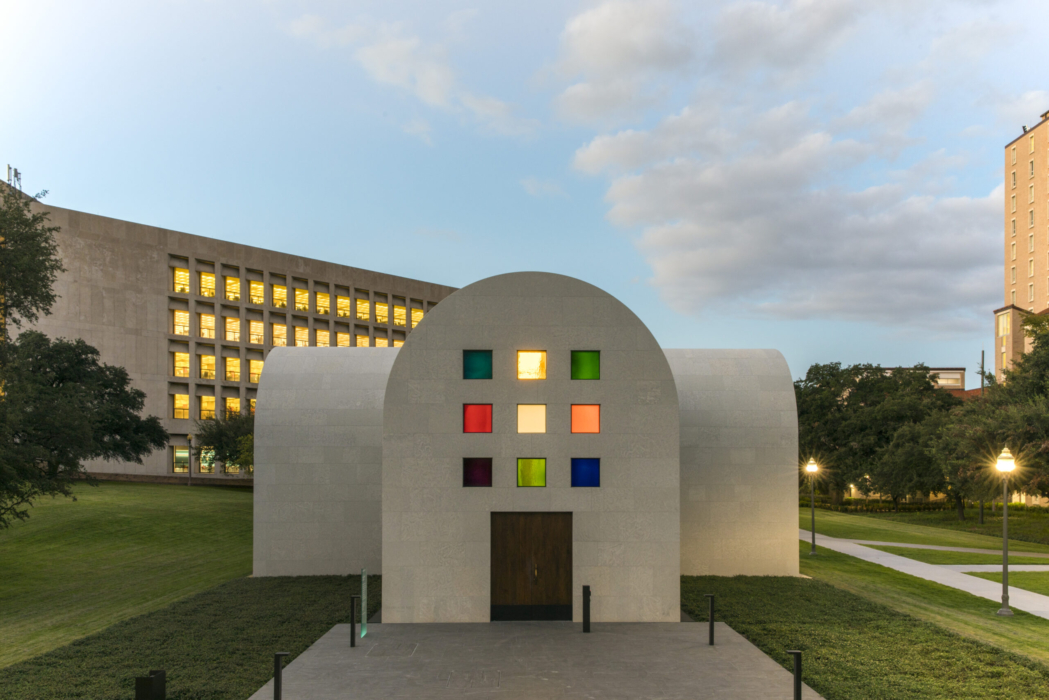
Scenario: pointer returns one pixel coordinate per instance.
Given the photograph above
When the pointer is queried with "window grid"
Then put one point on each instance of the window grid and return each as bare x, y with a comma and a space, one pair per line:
280, 296
382, 312
256, 333
207, 284
180, 323
280, 334
323, 339
256, 293
232, 329
181, 281
232, 289
302, 300
254, 371
207, 366
207, 325
207, 407
180, 463
342, 340
232, 369
342, 307
302, 337
323, 303
180, 406
180, 362
363, 310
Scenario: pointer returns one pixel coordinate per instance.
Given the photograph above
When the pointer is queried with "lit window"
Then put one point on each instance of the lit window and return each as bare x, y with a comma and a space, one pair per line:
232, 329
181, 464
280, 296
256, 332
280, 334
363, 312
232, 289
232, 406
342, 340
400, 316
232, 369
251, 406
207, 407
1013, 280
398, 343
207, 366
381, 342
586, 418
586, 472
477, 471
477, 364
181, 285
181, 323
477, 417
586, 364
302, 337
207, 284
1014, 202
531, 364
256, 293
180, 406
362, 341
254, 371
382, 312
207, 325
531, 418
181, 362
531, 472
207, 460
323, 303
342, 307
323, 339
302, 300
417, 316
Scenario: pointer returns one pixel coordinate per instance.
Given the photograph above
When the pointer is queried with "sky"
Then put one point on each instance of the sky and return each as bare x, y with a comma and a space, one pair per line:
823, 177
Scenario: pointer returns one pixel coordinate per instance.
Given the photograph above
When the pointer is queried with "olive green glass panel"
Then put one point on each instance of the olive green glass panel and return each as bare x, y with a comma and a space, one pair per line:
531, 472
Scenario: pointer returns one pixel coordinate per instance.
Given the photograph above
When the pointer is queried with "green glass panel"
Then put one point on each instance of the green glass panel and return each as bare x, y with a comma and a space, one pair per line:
531, 472
586, 364
477, 364
364, 602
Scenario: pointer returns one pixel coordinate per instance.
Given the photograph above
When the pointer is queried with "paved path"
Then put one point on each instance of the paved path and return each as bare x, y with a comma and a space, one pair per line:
991, 568
1033, 603
535, 660
807, 536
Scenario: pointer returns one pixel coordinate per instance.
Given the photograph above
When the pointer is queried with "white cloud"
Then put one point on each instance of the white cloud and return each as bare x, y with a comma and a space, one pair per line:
1025, 109
542, 188
405, 63
419, 128
889, 115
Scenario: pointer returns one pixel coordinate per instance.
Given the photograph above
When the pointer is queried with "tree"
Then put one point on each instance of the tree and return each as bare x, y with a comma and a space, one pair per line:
61, 406
230, 437
904, 467
29, 262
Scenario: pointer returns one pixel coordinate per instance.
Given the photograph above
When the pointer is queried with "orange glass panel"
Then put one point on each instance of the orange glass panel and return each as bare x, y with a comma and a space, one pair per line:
586, 418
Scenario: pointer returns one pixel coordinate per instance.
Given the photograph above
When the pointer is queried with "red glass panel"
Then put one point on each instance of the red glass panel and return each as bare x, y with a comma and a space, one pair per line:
477, 417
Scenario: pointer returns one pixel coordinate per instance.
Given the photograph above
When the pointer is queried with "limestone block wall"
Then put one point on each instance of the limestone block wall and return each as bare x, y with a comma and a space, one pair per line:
318, 461
739, 456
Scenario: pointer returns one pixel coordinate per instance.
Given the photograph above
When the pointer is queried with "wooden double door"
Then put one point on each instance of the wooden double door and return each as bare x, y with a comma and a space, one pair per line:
531, 566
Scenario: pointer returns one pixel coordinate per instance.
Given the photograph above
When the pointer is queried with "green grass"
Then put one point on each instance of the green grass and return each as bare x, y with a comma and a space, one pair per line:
1027, 525
217, 644
119, 550
856, 648
1033, 581
933, 556
867, 527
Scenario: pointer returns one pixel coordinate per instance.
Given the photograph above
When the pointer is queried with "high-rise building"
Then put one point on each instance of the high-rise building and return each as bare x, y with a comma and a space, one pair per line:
192, 319
1026, 241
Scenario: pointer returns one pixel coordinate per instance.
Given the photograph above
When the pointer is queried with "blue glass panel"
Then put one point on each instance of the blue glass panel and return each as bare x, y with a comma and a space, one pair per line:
477, 364
586, 471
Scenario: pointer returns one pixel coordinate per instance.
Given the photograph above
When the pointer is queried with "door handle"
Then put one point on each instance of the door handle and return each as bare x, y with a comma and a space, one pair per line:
535, 574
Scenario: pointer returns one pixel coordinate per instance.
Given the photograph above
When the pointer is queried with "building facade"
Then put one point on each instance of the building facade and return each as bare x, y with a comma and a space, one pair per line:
530, 437
1026, 273
193, 319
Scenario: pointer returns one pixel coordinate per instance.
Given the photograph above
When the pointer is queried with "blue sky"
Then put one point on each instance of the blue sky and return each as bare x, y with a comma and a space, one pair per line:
817, 176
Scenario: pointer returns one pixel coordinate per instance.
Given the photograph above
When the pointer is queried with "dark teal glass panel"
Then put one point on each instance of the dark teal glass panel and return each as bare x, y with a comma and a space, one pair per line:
477, 364
586, 364
586, 471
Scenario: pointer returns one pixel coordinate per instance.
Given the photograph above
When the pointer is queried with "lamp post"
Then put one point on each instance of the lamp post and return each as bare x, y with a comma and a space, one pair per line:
1005, 464
812, 468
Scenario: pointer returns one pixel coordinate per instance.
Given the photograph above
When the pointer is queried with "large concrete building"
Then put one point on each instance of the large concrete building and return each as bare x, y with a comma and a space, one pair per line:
530, 437
193, 319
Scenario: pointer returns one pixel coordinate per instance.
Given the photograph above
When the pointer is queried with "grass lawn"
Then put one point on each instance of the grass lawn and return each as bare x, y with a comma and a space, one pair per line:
119, 550
856, 648
932, 556
1028, 526
867, 527
217, 644
1035, 582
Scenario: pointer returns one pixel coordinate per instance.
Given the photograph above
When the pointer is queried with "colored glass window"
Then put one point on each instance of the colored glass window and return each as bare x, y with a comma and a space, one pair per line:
280, 334
180, 406
232, 289
586, 471
586, 364
363, 312
181, 463
323, 303
477, 364
232, 369
531, 364
302, 300
342, 307
586, 418
417, 315
477, 471
254, 371
207, 325
477, 417
342, 340
256, 332
323, 339
181, 360
531, 417
207, 366
181, 323
362, 341
207, 284
181, 280
531, 472
256, 293
280, 296
302, 337
207, 407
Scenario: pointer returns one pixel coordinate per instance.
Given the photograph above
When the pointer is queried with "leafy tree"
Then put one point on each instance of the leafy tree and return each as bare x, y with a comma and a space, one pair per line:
60, 407
29, 261
231, 437
904, 467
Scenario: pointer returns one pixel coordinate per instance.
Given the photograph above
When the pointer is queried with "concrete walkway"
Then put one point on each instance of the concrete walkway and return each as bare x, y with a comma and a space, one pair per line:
807, 536
1033, 603
992, 568
535, 660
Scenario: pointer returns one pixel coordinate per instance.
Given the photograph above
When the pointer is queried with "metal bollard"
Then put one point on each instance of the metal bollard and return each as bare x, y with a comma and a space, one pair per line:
353, 619
151, 687
710, 615
586, 609
797, 673
278, 667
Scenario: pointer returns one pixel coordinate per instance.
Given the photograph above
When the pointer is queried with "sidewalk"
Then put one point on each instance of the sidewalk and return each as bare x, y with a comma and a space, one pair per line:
1033, 603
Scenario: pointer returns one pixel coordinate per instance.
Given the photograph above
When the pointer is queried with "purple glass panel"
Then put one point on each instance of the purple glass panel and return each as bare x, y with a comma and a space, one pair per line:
477, 471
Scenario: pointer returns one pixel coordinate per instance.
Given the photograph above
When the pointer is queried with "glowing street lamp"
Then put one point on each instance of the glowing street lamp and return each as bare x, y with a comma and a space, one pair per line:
1005, 465
812, 468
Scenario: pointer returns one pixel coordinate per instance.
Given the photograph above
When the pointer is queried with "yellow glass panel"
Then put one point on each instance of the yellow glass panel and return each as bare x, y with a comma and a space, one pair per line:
363, 311
382, 312
323, 339
181, 406
342, 307
256, 332
302, 300
381, 343
232, 406
181, 280
256, 293
254, 371
280, 334
232, 369
531, 418
531, 472
181, 361
400, 316
207, 407
342, 340
233, 289
181, 323
417, 315
233, 329
207, 325
207, 284
531, 364
398, 343
362, 341
323, 303
302, 337
280, 296
207, 366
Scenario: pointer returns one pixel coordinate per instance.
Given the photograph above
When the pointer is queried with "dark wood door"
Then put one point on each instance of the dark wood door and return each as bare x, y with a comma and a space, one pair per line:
531, 566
